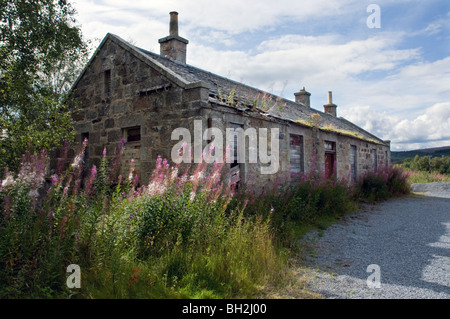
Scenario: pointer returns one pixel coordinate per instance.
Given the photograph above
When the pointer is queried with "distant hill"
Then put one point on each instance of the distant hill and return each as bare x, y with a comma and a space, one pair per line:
433, 152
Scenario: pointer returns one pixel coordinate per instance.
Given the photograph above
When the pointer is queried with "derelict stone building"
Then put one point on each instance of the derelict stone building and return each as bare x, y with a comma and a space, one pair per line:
128, 92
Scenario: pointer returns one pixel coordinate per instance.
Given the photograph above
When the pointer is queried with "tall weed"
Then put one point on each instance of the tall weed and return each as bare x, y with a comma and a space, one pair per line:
174, 237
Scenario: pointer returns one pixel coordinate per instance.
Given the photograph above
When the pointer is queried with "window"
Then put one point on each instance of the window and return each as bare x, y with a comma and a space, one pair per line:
85, 136
374, 160
235, 167
329, 146
353, 173
296, 154
132, 134
209, 126
131, 157
107, 83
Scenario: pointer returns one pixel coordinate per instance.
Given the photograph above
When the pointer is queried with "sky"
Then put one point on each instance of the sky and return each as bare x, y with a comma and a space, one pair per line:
387, 62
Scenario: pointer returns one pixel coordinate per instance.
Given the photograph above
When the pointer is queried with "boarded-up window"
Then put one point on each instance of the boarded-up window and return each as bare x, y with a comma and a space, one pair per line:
353, 172
131, 157
374, 160
296, 155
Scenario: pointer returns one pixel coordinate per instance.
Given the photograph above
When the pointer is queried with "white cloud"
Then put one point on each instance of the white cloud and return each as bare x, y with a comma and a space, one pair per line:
430, 129
320, 63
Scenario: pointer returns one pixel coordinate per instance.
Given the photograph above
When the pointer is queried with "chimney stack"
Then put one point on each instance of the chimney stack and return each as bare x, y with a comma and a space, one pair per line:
173, 46
330, 108
303, 97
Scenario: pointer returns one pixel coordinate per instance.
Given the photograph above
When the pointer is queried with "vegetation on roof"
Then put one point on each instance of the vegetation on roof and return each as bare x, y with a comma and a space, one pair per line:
262, 100
314, 121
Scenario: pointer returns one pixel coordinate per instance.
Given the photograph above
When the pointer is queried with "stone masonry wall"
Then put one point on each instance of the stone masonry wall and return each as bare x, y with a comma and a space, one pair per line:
138, 96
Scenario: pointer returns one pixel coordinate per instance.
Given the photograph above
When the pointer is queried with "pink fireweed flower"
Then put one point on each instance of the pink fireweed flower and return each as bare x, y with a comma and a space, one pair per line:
131, 175
34, 193
174, 173
65, 191
62, 158
135, 180
91, 179
55, 179
77, 161
8, 181
104, 152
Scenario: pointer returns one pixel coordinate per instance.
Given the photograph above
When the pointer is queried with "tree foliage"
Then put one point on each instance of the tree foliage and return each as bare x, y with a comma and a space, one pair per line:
40, 48
439, 165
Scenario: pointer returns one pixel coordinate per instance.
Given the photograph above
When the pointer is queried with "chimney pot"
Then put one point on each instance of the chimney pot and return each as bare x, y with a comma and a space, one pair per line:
330, 108
173, 26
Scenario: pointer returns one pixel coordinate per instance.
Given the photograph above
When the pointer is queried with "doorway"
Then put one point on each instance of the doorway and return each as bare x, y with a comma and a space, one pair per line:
330, 159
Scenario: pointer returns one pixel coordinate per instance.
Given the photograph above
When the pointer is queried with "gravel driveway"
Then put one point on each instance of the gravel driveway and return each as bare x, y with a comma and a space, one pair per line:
407, 242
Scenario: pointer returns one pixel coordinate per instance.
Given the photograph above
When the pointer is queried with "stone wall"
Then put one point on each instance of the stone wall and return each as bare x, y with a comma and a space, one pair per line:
313, 147
138, 96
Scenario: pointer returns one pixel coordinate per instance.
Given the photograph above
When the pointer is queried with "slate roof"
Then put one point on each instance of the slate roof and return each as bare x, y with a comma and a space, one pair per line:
246, 96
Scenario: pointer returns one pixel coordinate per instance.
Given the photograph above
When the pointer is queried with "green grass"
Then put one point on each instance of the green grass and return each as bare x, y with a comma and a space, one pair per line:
426, 177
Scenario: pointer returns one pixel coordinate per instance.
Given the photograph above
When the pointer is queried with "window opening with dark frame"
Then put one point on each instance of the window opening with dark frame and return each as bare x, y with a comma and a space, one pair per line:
235, 167
107, 83
132, 134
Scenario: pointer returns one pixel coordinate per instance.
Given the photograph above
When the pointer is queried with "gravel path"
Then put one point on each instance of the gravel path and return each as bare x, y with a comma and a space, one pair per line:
408, 239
